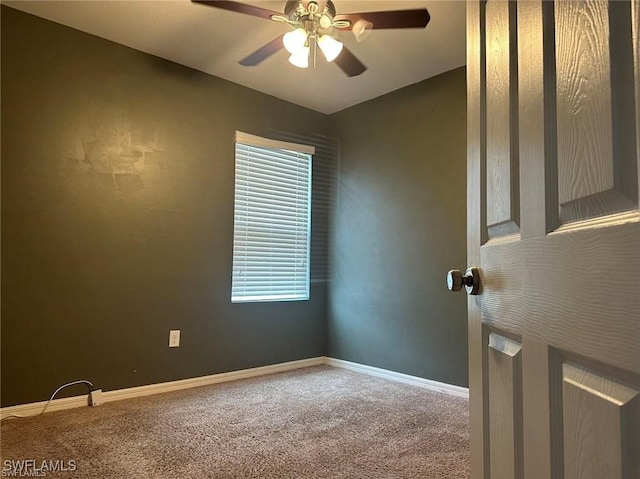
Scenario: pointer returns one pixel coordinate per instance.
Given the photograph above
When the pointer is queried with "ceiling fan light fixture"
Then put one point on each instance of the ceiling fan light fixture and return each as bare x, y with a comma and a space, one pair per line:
300, 58
313, 22
294, 40
330, 47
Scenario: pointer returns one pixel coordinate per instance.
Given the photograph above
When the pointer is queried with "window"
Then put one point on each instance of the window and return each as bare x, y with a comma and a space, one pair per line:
272, 220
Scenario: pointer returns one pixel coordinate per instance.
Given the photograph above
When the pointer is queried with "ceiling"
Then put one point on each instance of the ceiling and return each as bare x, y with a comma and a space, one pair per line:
213, 40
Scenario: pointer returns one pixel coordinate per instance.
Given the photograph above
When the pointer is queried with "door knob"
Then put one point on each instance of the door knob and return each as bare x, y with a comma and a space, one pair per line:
470, 280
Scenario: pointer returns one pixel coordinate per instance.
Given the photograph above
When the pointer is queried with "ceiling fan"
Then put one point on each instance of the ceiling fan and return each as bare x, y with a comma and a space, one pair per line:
315, 25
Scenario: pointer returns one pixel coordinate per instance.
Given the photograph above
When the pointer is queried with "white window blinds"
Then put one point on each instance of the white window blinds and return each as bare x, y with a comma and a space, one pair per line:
272, 220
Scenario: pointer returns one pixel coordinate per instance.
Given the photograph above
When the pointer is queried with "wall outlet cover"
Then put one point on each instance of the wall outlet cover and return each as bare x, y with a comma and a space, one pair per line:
95, 397
174, 338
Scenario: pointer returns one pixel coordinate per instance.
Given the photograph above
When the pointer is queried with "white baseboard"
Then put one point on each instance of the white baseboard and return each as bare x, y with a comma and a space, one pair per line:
400, 377
35, 408
128, 393
208, 380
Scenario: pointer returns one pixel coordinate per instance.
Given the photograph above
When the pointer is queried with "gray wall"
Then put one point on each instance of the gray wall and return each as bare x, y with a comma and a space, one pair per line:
400, 225
117, 218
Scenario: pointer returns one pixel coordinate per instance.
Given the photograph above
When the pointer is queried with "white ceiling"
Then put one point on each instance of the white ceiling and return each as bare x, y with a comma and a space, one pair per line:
213, 40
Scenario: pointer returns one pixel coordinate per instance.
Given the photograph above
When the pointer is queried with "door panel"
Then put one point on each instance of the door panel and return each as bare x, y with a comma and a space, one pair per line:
505, 406
554, 226
596, 410
595, 159
585, 153
502, 159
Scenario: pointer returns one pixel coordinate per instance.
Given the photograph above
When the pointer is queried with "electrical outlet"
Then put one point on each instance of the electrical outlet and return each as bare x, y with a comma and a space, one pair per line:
174, 338
95, 397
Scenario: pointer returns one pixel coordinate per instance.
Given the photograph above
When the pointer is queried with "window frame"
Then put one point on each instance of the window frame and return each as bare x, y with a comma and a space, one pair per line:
247, 145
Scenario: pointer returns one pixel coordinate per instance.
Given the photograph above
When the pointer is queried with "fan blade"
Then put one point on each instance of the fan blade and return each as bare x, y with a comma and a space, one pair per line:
349, 64
263, 53
394, 19
239, 7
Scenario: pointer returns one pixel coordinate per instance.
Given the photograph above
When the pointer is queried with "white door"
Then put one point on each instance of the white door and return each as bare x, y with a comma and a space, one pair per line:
554, 228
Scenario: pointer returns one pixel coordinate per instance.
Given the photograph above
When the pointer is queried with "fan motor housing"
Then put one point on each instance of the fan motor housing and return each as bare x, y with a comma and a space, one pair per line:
298, 10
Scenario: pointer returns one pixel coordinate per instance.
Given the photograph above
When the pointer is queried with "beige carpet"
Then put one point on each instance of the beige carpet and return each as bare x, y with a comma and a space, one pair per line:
318, 422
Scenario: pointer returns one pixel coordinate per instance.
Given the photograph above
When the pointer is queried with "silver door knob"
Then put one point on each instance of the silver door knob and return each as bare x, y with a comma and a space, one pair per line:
470, 280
